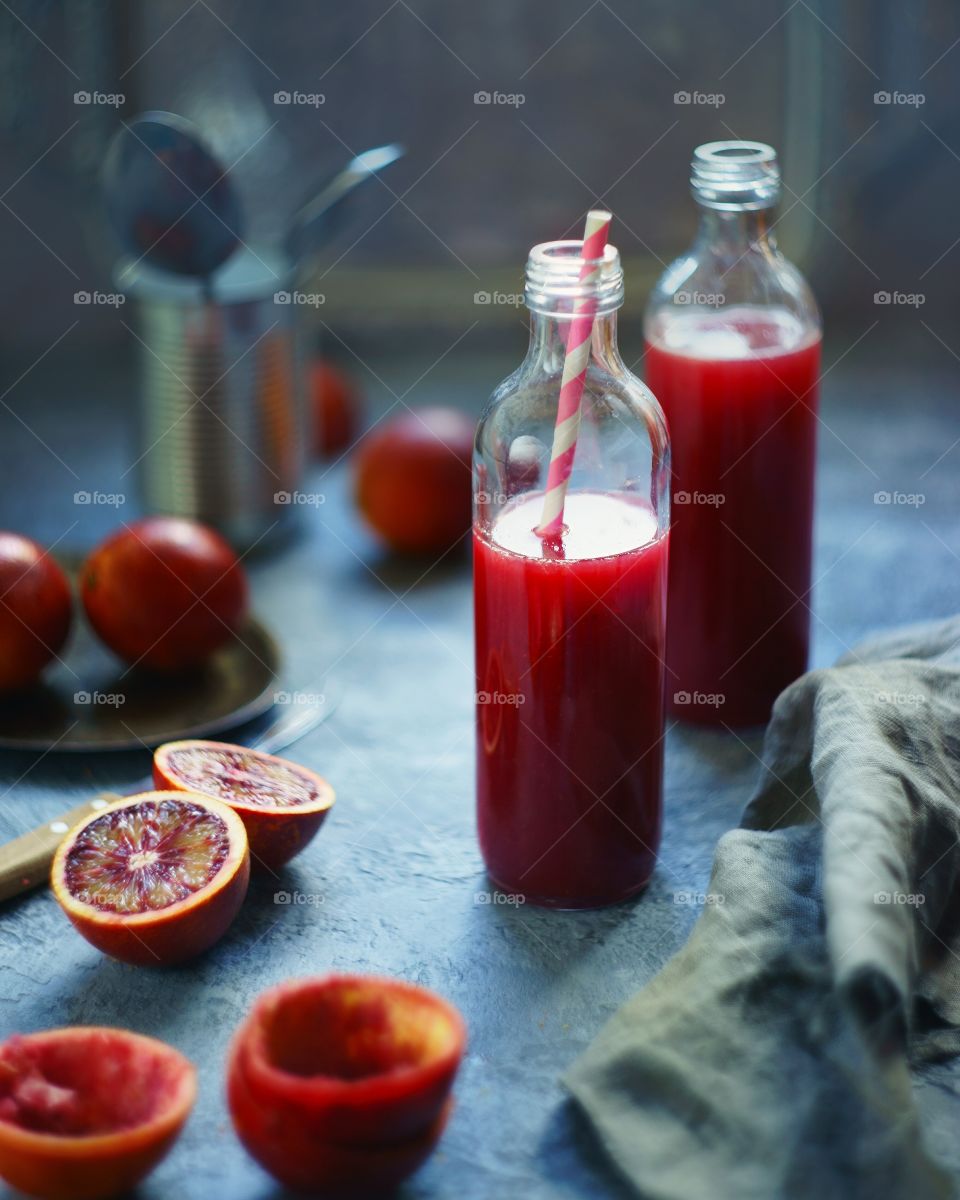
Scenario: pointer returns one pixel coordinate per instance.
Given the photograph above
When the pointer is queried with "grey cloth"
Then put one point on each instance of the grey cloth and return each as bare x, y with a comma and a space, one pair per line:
769, 1058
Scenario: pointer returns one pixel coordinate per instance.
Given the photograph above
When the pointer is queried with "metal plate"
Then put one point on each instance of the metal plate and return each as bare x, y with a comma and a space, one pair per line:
90, 702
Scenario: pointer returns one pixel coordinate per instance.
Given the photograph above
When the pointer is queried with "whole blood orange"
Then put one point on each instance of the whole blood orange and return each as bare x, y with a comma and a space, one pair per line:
35, 610
413, 479
342, 1083
164, 592
88, 1112
156, 878
336, 409
282, 805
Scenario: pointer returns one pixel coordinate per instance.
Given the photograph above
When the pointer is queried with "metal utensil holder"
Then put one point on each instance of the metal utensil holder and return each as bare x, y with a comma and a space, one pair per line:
222, 413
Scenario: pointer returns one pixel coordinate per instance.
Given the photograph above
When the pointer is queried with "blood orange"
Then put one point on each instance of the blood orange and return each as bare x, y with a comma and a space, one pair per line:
413, 482
156, 878
35, 610
164, 592
281, 804
337, 409
341, 1084
88, 1112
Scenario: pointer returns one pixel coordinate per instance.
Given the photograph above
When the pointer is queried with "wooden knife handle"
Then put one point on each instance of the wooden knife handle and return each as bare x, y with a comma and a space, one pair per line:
25, 862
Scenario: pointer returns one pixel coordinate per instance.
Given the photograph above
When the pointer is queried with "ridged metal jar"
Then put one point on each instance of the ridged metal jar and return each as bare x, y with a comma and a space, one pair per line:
222, 414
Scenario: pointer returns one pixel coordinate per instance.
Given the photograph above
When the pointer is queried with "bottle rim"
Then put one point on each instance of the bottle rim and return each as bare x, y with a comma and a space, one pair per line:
553, 284
735, 174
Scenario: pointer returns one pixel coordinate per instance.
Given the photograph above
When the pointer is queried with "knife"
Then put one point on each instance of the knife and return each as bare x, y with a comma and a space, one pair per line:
25, 861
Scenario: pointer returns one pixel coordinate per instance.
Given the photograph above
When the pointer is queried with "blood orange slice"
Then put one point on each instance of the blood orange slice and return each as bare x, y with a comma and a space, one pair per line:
281, 804
156, 878
88, 1112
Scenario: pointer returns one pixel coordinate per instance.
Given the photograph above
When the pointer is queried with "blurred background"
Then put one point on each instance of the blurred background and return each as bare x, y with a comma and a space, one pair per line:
516, 119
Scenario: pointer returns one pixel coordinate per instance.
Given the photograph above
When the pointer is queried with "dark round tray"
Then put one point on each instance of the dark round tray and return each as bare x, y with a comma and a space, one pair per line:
91, 702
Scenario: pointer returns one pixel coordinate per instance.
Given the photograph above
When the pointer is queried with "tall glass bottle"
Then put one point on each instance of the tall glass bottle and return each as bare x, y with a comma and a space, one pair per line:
733, 355
570, 632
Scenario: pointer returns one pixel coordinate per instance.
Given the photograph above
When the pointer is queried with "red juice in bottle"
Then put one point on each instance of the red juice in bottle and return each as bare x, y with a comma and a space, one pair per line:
733, 355
570, 700
739, 390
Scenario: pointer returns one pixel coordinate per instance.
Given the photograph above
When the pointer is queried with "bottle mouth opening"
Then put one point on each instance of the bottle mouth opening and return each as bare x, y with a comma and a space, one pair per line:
735, 174
553, 282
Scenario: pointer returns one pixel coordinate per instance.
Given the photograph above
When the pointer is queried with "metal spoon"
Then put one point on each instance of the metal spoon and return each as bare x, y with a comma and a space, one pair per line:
314, 220
169, 199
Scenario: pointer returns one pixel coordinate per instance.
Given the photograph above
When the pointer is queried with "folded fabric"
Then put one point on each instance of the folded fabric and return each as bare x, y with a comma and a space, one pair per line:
769, 1058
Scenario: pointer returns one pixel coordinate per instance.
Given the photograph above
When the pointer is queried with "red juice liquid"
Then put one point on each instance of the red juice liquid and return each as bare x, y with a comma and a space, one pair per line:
570, 680
739, 388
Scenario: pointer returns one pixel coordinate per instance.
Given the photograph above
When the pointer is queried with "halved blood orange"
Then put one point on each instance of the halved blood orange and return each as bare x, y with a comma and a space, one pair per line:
342, 1083
156, 878
281, 804
88, 1112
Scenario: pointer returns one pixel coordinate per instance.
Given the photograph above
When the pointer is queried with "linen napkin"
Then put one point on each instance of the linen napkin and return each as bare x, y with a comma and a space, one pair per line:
769, 1058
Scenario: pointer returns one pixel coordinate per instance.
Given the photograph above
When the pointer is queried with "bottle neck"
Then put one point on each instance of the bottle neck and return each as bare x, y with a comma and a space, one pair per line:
548, 340
559, 283
736, 230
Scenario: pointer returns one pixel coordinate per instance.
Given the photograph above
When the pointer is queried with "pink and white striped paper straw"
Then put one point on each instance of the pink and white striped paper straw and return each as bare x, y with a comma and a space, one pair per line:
573, 378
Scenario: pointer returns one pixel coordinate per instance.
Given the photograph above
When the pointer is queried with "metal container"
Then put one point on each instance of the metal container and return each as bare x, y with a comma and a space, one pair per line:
222, 414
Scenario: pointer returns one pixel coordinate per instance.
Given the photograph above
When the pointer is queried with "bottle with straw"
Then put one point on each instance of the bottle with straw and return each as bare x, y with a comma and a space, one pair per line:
571, 533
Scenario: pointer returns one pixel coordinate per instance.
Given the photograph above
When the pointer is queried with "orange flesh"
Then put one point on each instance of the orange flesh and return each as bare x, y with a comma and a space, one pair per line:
146, 856
84, 1085
233, 775
354, 1032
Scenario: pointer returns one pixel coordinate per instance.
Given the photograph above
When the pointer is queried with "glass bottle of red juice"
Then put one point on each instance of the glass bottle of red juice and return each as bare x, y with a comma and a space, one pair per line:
733, 355
570, 630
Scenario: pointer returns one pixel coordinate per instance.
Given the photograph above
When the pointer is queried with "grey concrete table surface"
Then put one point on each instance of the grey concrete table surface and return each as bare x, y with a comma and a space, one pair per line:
395, 884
